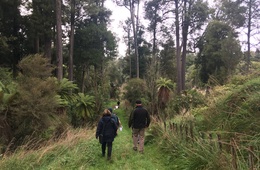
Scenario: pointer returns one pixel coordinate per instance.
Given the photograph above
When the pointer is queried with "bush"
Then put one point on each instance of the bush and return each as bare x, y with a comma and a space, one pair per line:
34, 108
135, 89
184, 103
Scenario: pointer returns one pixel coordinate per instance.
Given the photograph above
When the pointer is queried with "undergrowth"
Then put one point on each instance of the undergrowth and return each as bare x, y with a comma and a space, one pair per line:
230, 115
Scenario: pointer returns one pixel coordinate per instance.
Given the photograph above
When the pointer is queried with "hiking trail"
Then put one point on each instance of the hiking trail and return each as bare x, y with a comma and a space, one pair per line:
123, 155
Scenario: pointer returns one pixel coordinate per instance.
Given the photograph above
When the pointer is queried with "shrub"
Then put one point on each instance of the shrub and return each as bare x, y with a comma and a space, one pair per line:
135, 89
33, 110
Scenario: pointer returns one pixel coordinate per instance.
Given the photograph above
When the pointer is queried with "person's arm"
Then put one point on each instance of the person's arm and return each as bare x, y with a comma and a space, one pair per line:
114, 127
99, 128
131, 118
147, 119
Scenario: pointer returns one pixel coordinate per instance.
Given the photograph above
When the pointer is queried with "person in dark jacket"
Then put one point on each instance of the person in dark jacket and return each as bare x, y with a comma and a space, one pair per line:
108, 128
139, 120
115, 117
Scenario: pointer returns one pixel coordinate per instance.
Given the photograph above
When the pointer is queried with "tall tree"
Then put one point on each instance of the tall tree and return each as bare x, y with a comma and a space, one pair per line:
178, 48
42, 34
153, 10
236, 13
167, 59
219, 52
128, 40
252, 20
72, 32
133, 7
94, 45
11, 34
193, 17
59, 40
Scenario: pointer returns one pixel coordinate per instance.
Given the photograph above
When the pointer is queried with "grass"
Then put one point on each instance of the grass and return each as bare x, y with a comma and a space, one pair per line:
234, 113
80, 150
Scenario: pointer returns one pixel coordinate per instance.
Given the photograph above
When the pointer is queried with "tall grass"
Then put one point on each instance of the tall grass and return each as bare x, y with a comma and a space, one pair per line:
78, 149
233, 112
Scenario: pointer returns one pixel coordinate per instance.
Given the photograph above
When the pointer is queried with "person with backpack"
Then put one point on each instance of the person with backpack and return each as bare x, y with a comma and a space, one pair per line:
139, 120
106, 132
115, 117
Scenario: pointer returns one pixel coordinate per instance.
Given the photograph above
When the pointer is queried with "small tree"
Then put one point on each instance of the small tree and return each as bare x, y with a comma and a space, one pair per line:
33, 110
165, 86
136, 89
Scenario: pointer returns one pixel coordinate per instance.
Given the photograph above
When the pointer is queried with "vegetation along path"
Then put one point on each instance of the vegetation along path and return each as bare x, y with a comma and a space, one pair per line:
81, 150
123, 156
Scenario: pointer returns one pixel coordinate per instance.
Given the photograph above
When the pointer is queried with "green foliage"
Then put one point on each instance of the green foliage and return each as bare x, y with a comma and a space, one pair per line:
185, 102
165, 86
85, 105
11, 33
7, 94
33, 109
79, 149
238, 111
232, 12
135, 89
165, 83
67, 90
216, 58
168, 58
5, 76
199, 155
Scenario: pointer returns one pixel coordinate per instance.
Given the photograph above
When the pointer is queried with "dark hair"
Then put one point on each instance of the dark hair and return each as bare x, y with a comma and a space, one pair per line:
138, 102
110, 109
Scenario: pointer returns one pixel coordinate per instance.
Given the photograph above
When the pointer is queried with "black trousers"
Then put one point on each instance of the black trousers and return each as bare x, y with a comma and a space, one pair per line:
109, 148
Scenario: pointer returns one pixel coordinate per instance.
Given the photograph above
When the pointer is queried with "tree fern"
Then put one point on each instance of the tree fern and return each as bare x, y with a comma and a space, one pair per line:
165, 86
85, 106
67, 90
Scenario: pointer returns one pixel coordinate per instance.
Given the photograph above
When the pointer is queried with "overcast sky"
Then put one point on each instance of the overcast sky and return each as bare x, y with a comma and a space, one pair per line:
119, 15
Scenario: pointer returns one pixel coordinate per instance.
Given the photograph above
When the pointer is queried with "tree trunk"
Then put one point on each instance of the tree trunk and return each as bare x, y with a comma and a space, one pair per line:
47, 47
185, 29
248, 35
155, 71
59, 41
72, 30
132, 13
129, 53
83, 79
178, 47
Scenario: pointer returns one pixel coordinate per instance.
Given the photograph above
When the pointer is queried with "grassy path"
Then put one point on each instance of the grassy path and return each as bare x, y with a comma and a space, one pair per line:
123, 156
81, 151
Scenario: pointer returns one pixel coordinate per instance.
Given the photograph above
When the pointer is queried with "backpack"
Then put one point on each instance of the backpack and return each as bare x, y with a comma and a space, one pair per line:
115, 118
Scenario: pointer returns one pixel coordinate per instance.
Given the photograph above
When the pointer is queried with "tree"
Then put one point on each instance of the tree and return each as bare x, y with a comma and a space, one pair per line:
216, 58
135, 89
252, 18
11, 34
34, 107
41, 35
128, 40
194, 14
131, 5
167, 58
231, 12
72, 33
165, 86
153, 9
59, 40
94, 47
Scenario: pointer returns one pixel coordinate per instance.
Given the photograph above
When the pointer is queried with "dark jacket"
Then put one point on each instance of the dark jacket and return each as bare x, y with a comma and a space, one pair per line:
139, 118
115, 118
109, 126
